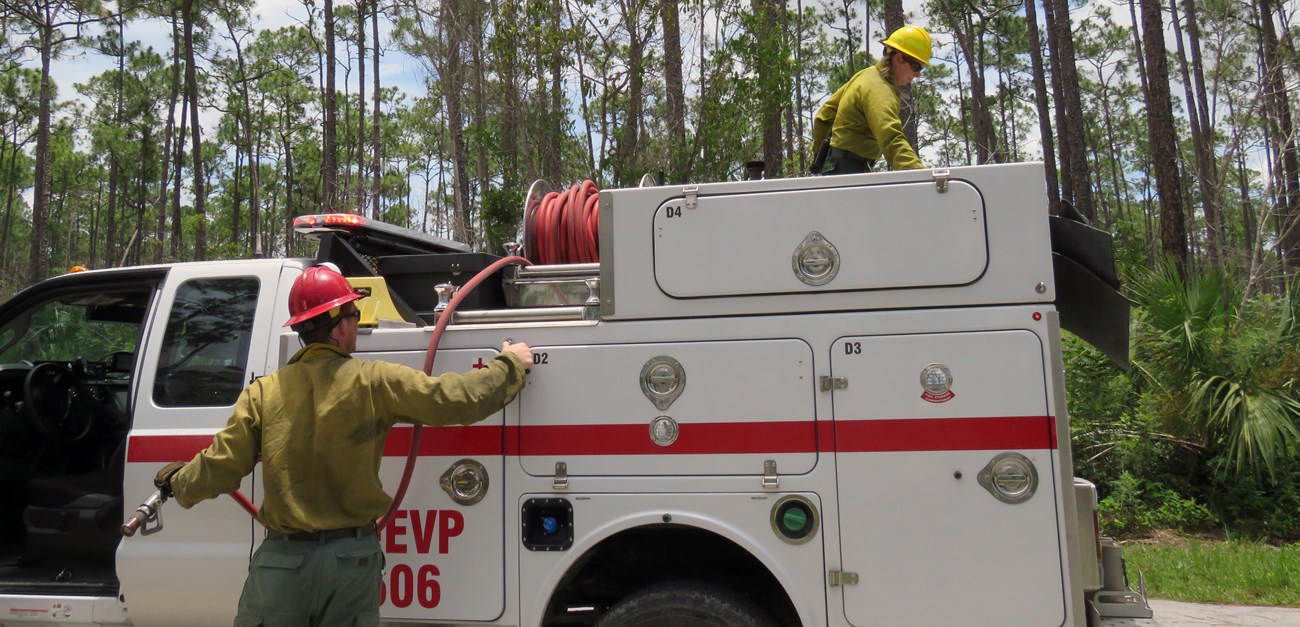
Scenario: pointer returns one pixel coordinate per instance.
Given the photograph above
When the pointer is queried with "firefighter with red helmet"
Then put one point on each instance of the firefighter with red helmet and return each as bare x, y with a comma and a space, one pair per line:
319, 425
860, 122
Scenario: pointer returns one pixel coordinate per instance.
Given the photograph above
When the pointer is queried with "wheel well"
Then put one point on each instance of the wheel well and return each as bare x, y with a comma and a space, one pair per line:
642, 556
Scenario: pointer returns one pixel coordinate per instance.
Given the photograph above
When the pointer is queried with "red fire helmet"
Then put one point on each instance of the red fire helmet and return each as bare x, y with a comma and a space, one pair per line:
317, 291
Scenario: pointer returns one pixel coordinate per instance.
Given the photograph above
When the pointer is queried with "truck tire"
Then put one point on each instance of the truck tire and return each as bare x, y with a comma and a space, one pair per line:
685, 604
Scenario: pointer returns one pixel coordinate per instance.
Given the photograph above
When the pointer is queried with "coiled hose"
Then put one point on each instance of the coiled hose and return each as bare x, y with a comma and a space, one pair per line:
565, 226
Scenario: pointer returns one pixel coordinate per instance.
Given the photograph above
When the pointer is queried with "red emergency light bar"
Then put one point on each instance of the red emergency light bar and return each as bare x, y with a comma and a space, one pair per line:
374, 237
327, 221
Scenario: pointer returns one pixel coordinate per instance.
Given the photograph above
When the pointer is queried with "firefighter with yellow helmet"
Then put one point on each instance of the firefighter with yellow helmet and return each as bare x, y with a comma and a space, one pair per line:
861, 120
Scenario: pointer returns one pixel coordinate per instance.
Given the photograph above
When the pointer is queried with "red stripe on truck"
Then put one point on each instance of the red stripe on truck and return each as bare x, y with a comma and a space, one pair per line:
165, 448
946, 434
481, 440
473, 440
713, 438
710, 438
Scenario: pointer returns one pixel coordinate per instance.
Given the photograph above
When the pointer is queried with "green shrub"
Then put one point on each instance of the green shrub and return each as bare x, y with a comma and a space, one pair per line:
1202, 432
1253, 507
1137, 506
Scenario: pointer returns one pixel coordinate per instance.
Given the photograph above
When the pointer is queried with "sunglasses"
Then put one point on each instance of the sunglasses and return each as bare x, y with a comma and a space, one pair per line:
355, 313
914, 64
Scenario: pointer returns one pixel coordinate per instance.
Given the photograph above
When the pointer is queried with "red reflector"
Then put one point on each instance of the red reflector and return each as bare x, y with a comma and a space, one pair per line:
1037, 316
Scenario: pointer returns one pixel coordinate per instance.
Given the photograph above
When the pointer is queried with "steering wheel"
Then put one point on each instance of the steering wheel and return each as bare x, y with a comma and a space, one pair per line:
58, 402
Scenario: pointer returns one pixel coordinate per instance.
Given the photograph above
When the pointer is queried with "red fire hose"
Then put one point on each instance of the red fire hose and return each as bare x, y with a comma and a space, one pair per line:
443, 319
244, 503
565, 226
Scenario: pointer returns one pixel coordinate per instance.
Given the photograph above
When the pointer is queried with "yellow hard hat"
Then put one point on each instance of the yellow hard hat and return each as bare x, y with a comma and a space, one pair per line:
912, 41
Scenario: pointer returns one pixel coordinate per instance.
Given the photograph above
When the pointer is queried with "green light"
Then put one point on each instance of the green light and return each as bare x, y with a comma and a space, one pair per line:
794, 519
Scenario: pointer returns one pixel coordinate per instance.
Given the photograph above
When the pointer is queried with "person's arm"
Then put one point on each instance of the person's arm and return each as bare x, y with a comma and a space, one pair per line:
887, 127
452, 398
821, 126
219, 468
824, 121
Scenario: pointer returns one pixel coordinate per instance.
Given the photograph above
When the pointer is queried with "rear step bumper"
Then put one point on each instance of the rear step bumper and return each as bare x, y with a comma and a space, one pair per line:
62, 610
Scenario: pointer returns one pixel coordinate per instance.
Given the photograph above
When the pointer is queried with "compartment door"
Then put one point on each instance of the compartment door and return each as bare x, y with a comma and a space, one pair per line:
206, 341
932, 545
874, 237
739, 404
445, 559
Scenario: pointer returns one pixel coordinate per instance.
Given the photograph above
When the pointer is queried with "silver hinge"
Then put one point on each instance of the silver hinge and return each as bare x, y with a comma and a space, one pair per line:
834, 383
561, 476
770, 479
842, 578
941, 181
691, 192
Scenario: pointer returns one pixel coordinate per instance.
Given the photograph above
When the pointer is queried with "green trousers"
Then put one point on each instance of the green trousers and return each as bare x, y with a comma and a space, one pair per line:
845, 162
305, 583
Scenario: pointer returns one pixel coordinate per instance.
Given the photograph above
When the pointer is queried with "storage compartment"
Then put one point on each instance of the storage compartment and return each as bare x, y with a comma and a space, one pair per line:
912, 456
670, 409
878, 237
413, 278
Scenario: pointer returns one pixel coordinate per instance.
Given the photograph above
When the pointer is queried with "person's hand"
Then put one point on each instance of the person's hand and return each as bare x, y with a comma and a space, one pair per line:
521, 351
163, 480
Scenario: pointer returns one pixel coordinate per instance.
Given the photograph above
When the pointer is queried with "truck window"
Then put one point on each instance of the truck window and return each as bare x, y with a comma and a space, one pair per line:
88, 335
205, 348
92, 326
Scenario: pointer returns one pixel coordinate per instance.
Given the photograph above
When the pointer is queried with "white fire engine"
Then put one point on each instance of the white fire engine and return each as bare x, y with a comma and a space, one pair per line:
810, 401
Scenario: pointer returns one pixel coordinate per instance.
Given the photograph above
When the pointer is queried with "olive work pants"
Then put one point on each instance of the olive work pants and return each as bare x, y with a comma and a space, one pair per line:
305, 583
845, 162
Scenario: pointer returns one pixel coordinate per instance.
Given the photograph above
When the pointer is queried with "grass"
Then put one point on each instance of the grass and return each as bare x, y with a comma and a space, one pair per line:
1210, 571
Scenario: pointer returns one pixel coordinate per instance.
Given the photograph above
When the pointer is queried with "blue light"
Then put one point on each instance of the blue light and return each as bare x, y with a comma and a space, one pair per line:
550, 525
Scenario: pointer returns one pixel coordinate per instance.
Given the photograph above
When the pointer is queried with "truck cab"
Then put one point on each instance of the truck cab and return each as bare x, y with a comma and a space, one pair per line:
91, 359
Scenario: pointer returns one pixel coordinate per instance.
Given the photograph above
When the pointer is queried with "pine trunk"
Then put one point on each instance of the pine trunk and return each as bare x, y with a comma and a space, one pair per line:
178, 232
1164, 143
376, 173
362, 178
676, 94
1207, 177
771, 83
625, 164
329, 136
452, 85
188, 16
36, 266
1072, 125
1288, 169
169, 130
1044, 112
